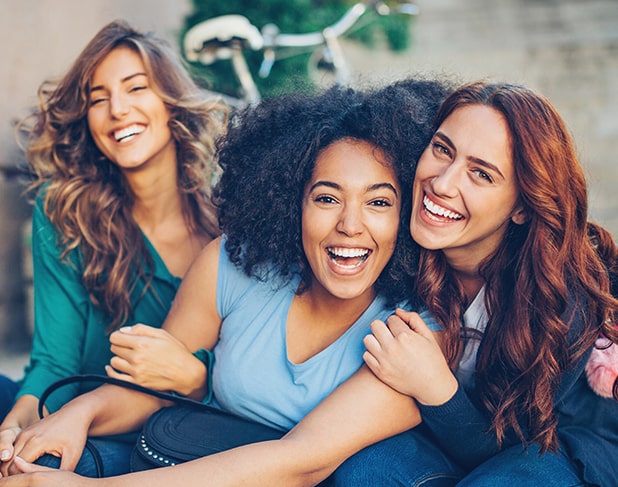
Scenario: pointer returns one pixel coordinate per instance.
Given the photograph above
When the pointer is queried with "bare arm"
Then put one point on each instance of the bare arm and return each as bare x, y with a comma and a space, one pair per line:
137, 348
112, 409
360, 412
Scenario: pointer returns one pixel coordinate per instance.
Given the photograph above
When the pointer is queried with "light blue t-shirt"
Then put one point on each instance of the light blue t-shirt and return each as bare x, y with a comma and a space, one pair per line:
252, 376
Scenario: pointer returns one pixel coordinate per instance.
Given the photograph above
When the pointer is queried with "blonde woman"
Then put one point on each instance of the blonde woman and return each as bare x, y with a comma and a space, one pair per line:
122, 148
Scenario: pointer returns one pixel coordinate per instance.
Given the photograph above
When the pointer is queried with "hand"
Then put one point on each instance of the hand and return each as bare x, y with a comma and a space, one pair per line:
151, 357
23, 413
406, 356
61, 434
31, 475
7, 440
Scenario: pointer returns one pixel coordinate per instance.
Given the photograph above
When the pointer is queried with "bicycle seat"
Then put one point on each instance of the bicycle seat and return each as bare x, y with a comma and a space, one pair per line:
215, 38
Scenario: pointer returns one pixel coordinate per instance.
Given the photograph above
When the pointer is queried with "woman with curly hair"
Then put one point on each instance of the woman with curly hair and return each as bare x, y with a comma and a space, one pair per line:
313, 203
518, 279
122, 148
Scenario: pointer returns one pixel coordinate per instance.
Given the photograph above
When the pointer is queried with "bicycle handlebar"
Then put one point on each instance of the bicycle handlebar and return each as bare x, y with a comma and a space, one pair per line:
309, 39
220, 31
226, 36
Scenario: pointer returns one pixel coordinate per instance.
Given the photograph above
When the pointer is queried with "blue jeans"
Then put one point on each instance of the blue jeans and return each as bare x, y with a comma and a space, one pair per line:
8, 391
408, 459
515, 466
412, 459
114, 455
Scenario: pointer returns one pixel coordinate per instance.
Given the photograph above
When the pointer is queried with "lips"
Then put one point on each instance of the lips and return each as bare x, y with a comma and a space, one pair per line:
127, 133
347, 257
439, 213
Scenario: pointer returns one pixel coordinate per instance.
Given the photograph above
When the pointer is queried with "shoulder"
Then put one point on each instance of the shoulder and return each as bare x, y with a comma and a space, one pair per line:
209, 256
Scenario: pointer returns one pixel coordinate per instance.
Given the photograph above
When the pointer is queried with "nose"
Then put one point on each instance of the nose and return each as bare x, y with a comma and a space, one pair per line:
119, 106
350, 221
445, 182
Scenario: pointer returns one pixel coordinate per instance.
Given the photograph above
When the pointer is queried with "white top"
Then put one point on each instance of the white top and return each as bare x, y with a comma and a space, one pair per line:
474, 318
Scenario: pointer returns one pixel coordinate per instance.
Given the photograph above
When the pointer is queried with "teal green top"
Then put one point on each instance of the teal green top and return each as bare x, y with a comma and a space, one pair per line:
69, 331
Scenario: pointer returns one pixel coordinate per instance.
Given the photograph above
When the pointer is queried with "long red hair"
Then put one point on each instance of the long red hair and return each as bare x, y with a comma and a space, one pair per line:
541, 268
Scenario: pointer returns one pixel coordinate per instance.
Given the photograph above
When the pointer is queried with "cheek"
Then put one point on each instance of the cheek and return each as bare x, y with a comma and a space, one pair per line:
388, 232
94, 125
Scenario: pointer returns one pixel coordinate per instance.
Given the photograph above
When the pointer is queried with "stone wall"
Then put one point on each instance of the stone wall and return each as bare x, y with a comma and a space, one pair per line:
566, 49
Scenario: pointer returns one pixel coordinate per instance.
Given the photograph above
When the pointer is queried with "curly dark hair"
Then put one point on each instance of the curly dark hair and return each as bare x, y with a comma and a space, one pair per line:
269, 154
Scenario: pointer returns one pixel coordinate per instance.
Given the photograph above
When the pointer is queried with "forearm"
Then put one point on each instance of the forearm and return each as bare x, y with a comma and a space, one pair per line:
23, 414
259, 464
461, 430
361, 412
112, 409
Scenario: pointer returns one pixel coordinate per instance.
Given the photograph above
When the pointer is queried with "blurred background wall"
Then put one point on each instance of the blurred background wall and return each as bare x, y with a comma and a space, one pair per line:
566, 49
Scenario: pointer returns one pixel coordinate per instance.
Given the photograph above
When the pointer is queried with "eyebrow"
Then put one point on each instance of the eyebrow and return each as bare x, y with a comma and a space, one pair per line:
123, 80
371, 187
476, 160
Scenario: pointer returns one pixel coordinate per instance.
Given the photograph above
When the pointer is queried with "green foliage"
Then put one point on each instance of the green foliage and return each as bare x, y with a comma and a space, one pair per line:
291, 16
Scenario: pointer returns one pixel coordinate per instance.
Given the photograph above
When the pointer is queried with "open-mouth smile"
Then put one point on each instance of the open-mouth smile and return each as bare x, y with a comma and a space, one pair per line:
348, 258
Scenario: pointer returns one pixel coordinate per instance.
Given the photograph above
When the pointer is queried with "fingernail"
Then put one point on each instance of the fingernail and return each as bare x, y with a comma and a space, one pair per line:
125, 329
5, 455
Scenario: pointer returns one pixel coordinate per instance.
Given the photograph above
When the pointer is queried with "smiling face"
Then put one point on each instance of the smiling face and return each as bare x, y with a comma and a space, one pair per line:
464, 190
350, 218
127, 118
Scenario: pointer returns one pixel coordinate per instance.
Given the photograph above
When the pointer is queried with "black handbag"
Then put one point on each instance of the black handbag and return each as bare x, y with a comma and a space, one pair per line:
176, 434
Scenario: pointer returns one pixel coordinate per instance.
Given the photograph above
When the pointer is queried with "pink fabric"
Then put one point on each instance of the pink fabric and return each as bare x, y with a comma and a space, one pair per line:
602, 368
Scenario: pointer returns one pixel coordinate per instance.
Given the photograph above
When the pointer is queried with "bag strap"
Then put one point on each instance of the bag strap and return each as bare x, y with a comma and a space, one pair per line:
96, 456
104, 379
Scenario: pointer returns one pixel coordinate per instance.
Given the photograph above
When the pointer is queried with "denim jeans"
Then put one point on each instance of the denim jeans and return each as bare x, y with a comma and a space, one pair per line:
115, 456
408, 459
8, 390
515, 466
412, 459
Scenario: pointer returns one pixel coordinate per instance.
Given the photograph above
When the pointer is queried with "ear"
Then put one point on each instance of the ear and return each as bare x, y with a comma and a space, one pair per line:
519, 216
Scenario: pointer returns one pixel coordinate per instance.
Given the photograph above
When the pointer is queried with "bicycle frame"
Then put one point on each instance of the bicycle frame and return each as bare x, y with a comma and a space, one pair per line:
228, 36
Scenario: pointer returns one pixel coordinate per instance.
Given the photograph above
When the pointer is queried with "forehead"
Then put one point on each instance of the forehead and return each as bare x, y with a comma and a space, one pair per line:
350, 153
353, 165
118, 65
481, 132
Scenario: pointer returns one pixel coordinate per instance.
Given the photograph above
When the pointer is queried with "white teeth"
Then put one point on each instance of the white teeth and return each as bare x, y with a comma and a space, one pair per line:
438, 210
128, 132
347, 252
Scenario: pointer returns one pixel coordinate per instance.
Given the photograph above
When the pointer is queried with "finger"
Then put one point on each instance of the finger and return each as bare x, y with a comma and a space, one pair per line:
25, 467
69, 460
397, 326
7, 439
123, 352
381, 332
142, 330
124, 337
111, 372
121, 363
371, 344
371, 362
415, 322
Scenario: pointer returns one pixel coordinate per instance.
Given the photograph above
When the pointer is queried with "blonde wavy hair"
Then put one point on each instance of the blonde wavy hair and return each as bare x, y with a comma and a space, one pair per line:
86, 196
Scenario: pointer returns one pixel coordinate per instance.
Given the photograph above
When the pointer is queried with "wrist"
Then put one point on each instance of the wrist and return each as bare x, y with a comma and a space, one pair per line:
200, 373
441, 395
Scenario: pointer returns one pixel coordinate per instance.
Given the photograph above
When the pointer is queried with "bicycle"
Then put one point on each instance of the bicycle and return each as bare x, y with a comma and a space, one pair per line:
228, 37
